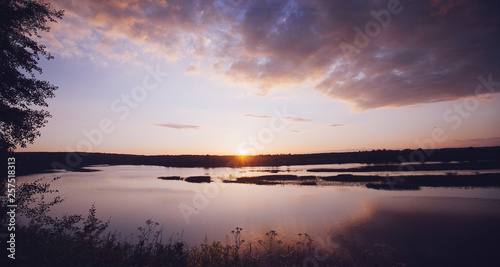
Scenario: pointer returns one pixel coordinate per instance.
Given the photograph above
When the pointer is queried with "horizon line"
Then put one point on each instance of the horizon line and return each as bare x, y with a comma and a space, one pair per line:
252, 155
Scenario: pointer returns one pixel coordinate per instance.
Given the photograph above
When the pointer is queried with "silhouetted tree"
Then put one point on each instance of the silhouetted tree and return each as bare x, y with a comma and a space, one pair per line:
21, 93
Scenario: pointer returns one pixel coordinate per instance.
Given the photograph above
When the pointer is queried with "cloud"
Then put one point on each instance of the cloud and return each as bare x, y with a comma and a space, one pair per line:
294, 119
219, 65
257, 116
192, 68
179, 126
432, 51
335, 125
429, 53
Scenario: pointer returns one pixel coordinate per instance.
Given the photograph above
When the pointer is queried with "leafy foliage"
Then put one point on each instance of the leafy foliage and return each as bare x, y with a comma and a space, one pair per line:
21, 21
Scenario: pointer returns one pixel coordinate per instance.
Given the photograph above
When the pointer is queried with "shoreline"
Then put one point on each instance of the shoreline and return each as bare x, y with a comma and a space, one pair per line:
40, 162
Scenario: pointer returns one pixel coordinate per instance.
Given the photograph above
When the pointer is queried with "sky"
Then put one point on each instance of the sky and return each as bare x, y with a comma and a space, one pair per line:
271, 77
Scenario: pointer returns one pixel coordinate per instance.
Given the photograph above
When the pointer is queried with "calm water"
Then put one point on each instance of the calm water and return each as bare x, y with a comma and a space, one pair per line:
427, 221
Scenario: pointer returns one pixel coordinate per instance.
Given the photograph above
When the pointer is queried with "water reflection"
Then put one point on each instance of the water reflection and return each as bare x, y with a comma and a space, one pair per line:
428, 222
421, 231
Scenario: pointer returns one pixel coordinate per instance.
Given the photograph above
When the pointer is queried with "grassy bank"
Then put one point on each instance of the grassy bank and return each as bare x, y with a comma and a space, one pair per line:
88, 247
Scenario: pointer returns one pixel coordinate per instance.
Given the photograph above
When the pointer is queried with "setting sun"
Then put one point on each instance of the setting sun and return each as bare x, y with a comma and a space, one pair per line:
242, 152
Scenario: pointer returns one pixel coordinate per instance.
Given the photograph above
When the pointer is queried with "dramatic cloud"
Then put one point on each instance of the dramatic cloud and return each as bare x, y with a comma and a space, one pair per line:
369, 53
179, 126
257, 116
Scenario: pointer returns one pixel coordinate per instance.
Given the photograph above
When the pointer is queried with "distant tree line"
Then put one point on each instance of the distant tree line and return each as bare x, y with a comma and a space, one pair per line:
33, 162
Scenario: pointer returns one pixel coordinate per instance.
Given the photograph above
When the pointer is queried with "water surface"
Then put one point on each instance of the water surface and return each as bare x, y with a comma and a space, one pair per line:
433, 222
